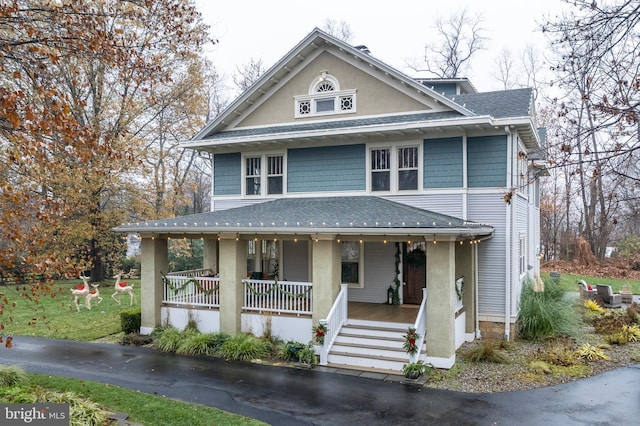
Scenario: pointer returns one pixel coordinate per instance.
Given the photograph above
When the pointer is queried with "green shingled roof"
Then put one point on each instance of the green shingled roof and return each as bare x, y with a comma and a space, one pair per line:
321, 214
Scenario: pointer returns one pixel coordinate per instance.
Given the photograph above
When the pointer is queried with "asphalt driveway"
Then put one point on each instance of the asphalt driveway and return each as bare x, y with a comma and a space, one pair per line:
290, 396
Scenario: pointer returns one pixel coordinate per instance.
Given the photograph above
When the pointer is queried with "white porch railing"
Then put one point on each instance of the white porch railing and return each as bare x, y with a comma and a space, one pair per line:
191, 290
335, 320
203, 272
281, 297
420, 326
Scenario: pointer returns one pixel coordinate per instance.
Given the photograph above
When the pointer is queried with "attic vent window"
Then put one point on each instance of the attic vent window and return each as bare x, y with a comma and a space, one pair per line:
325, 98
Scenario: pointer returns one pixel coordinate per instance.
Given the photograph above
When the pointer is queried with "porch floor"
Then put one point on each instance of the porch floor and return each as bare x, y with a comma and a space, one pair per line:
405, 314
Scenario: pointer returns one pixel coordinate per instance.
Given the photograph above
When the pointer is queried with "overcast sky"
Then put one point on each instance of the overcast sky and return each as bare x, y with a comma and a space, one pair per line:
267, 30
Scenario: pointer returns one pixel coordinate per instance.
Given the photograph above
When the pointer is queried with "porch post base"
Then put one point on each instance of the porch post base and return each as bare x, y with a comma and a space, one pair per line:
440, 362
145, 331
469, 337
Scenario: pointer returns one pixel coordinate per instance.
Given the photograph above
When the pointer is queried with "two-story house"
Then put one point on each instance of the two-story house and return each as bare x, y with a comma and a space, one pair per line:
346, 193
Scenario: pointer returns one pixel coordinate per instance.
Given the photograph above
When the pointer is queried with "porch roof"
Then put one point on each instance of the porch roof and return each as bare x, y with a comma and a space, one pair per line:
357, 215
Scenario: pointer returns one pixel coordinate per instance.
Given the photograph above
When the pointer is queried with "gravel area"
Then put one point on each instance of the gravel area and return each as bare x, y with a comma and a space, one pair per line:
488, 377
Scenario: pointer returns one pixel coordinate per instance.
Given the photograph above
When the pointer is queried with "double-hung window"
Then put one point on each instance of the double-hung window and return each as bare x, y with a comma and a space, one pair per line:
394, 169
264, 174
380, 170
407, 168
253, 175
274, 174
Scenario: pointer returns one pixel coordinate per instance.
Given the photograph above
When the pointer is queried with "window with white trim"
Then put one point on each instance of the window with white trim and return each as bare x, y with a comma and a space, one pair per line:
252, 176
407, 168
380, 169
394, 169
275, 175
325, 97
352, 264
264, 174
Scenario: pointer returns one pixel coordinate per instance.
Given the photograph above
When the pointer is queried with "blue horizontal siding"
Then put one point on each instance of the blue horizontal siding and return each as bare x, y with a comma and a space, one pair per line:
447, 89
443, 163
333, 168
487, 161
227, 174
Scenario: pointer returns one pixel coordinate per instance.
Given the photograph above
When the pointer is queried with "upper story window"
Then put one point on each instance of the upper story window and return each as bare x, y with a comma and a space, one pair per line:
325, 97
267, 168
394, 169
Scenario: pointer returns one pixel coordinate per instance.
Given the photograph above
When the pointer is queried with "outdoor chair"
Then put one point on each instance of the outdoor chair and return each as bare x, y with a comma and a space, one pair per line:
609, 299
586, 291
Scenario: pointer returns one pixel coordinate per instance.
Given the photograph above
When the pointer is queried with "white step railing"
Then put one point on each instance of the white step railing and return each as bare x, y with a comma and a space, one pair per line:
336, 318
420, 326
282, 297
191, 290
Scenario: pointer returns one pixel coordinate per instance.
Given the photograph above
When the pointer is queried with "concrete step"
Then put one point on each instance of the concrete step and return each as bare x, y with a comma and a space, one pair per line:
371, 345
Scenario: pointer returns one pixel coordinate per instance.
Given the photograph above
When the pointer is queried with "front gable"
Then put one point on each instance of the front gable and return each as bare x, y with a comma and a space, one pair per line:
272, 99
364, 85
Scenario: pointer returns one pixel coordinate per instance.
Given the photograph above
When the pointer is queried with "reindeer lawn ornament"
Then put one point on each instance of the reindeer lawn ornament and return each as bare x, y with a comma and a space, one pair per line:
122, 288
80, 291
93, 294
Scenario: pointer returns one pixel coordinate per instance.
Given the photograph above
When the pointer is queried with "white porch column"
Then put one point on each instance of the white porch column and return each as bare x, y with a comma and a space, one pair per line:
465, 267
441, 302
326, 273
153, 263
233, 268
210, 254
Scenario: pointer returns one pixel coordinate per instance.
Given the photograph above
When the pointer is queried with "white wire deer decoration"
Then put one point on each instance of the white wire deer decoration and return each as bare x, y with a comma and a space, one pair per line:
94, 294
123, 288
80, 291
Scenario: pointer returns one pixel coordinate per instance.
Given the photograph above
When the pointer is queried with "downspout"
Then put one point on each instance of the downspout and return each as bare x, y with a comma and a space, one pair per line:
508, 234
475, 279
213, 206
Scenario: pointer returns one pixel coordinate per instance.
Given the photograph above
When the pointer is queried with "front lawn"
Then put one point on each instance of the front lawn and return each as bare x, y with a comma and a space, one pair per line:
55, 315
569, 282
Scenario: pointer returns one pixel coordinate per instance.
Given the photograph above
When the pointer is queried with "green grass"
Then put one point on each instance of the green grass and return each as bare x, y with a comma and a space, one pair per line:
55, 315
141, 407
569, 282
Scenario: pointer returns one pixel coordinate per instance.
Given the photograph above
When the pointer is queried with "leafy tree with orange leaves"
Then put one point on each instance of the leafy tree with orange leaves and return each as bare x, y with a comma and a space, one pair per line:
77, 81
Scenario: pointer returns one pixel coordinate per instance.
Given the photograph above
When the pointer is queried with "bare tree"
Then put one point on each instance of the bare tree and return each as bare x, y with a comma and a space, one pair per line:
460, 37
597, 70
248, 73
506, 71
340, 30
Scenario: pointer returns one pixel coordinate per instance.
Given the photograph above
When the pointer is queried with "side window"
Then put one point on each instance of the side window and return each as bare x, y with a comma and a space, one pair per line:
380, 170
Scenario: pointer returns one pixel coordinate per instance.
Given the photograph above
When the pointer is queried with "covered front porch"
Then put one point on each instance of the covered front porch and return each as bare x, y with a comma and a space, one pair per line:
383, 262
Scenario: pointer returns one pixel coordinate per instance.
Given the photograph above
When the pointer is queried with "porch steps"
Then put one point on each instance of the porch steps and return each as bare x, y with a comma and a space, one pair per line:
370, 345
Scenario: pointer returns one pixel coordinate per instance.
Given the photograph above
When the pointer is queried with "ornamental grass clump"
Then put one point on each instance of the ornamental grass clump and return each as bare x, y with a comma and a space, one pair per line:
82, 412
559, 350
545, 313
12, 375
168, 339
244, 347
487, 351
593, 306
589, 352
198, 344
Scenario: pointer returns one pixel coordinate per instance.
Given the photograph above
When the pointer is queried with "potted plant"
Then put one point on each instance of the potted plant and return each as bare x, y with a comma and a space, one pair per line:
414, 370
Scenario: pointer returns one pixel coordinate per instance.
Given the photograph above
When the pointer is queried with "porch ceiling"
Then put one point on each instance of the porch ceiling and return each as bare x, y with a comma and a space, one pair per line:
363, 215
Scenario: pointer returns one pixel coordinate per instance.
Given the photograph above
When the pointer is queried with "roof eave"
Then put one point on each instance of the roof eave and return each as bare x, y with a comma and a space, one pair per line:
198, 231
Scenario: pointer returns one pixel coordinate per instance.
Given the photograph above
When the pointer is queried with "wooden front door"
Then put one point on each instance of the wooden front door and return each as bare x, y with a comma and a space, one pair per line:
415, 273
